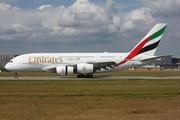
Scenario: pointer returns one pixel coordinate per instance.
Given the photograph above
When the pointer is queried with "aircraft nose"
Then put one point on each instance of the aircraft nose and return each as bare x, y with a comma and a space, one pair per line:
8, 67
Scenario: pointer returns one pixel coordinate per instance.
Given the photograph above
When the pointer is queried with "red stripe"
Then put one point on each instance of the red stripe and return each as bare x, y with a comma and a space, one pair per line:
135, 51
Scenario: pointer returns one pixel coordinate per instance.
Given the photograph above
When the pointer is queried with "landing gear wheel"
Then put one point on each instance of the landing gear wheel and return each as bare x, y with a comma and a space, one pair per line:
90, 76
15, 75
78, 76
86, 76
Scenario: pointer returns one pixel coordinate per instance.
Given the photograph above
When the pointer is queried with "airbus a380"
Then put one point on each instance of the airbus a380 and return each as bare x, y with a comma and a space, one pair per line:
85, 64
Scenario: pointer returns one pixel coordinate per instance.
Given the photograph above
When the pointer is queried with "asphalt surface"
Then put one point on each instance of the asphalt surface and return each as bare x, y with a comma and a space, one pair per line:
97, 78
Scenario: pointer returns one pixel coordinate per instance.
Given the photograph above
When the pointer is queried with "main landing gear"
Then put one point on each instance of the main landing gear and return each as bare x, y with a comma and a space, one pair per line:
15, 75
86, 76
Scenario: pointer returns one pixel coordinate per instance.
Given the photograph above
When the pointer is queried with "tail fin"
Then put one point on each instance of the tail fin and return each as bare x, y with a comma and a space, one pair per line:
149, 43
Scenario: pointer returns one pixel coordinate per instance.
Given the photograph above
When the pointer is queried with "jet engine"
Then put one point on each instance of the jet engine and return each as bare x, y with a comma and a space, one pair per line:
64, 70
84, 68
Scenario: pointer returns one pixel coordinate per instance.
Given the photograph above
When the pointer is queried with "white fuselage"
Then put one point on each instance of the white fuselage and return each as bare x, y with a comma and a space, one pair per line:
44, 61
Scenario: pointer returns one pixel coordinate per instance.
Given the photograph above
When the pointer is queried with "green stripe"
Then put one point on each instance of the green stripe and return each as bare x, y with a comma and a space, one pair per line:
158, 33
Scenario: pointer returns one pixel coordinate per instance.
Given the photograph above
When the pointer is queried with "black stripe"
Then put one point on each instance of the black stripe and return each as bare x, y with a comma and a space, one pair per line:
149, 47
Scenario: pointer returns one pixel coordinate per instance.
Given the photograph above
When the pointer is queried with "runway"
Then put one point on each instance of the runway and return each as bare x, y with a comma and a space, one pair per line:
97, 78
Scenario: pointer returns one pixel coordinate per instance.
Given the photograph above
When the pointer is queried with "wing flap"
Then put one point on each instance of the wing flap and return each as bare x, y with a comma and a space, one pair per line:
104, 65
97, 65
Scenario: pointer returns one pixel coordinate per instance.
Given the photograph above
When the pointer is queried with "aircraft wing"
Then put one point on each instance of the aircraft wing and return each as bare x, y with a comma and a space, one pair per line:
155, 58
49, 68
97, 65
104, 65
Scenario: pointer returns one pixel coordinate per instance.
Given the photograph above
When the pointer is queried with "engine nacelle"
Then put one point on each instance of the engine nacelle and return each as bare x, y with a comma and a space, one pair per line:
85, 68
64, 70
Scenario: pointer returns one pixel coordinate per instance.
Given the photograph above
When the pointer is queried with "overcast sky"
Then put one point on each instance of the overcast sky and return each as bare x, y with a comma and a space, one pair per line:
86, 25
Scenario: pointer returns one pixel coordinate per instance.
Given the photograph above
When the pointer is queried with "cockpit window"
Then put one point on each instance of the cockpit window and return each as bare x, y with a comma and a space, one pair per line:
11, 61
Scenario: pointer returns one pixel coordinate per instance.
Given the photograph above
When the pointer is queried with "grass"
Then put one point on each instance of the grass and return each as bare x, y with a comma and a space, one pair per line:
90, 100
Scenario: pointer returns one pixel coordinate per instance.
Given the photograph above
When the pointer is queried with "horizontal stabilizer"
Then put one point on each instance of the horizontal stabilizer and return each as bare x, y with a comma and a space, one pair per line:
155, 58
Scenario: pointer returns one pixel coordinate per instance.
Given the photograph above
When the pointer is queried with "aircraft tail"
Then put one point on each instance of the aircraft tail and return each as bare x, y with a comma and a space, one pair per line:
149, 43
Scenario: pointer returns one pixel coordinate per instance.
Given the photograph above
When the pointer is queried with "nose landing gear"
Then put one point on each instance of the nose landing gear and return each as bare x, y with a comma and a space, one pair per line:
15, 75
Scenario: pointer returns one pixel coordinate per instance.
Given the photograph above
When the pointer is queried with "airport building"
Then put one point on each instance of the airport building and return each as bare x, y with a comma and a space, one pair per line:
5, 59
168, 63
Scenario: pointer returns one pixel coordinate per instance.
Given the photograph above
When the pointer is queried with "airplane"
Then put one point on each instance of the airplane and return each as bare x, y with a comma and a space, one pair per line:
85, 64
